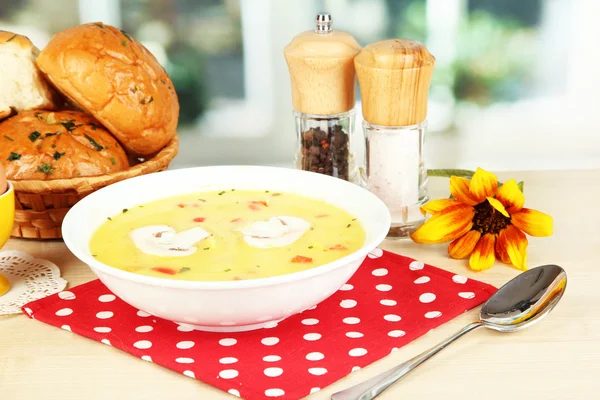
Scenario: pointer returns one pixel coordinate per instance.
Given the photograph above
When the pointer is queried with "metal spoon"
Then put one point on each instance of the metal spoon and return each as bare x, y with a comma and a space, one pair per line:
521, 302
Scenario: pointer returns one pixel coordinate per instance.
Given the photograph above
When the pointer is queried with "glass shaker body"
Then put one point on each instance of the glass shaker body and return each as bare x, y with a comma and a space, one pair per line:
396, 173
324, 144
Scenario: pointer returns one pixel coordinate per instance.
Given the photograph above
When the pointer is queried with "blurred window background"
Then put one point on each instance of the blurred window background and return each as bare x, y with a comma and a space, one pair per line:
515, 83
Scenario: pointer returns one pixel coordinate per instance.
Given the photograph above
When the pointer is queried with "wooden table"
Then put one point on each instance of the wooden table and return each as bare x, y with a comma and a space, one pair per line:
558, 358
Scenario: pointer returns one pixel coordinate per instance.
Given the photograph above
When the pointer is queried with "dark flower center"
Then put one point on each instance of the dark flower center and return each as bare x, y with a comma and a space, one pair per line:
489, 220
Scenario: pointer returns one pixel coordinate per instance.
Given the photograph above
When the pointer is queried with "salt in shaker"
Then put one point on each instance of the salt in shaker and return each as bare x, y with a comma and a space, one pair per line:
394, 76
323, 81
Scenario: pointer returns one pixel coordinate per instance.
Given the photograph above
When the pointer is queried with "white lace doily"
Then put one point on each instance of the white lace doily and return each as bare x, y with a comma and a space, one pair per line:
30, 279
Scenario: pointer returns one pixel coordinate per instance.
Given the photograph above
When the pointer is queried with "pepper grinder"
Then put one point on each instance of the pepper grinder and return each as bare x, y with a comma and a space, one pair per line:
323, 81
394, 76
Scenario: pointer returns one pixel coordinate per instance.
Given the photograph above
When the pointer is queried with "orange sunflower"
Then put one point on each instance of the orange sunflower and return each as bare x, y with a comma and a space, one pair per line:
483, 222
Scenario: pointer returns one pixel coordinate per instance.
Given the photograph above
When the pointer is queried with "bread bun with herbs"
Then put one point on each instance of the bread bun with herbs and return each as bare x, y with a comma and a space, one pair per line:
46, 145
22, 86
117, 80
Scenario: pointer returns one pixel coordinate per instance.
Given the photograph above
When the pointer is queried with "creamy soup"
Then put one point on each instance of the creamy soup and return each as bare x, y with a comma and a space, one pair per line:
226, 235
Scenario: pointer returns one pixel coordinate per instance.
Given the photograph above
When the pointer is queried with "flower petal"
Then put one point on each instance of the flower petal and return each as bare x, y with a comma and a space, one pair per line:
445, 226
435, 206
516, 246
533, 222
498, 206
511, 196
459, 188
501, 252
464, 245
483, 184
483, 256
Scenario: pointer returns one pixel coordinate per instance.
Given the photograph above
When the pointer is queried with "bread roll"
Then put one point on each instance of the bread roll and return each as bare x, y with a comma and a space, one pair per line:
22, 86
117, 80
43, 145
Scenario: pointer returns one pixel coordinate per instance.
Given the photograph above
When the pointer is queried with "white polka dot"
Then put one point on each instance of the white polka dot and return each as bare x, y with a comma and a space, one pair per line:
106, 341
427, 297
422, 279
271, 358
270, 325
467, 295
102, 329
141, 313
63, 312
394, 349
383, 288
348, 303
105, 315
106, 298
228, 373
66, 295
147, 358
187, 344
351, 320
388, 302
396, 334
354, 335
185, 328
380, 272
433, 314
272, 372
28, 311
416, 265
375, 253
184, 360
358, 352
355, 368
270, 341
460, 279
312, 336
310, 321
346, 287
234, 392
315, 356
392, 318
227, 342
144, 329
314, 390
189, 373
142, 344
228, 360
66, 328
317, 371
274, 392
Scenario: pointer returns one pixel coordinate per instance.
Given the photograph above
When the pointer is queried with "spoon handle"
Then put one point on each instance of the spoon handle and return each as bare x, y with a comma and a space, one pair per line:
372, 388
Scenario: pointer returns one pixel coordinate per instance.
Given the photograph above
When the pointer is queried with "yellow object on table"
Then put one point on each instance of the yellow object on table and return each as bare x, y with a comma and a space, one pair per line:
7, 218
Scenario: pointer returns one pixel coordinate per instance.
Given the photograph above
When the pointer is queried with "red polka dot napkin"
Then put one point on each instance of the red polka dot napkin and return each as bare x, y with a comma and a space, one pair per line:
389, 302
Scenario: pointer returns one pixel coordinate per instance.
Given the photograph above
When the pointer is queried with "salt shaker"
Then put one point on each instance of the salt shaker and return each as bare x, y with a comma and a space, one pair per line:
394, 76
323, 81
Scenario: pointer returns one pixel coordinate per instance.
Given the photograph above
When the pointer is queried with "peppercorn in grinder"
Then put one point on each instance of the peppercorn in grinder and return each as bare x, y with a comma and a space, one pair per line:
321, 67
394, 77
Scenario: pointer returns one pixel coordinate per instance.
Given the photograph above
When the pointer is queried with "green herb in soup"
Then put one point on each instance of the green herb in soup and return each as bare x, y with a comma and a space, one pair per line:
227, 235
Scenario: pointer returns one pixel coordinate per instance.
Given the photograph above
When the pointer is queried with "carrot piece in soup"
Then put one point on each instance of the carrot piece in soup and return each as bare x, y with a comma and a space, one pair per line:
302, 259
165, 270
338, 247
199, 219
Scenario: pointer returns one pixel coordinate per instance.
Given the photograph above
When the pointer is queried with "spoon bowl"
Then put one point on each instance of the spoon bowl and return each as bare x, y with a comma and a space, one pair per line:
525, 299
518, 304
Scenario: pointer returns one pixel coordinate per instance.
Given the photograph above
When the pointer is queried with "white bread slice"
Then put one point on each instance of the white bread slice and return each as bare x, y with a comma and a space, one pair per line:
22, 86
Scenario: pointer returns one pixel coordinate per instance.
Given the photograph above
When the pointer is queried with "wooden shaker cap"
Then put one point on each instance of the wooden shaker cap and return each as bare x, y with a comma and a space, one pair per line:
394, 77
321, 67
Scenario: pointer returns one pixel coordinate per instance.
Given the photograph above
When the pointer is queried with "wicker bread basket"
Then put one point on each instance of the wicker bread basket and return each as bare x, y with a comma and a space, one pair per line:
42, 205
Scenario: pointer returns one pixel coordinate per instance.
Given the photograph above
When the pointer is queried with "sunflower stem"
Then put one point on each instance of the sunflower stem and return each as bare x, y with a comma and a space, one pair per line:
463, 173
